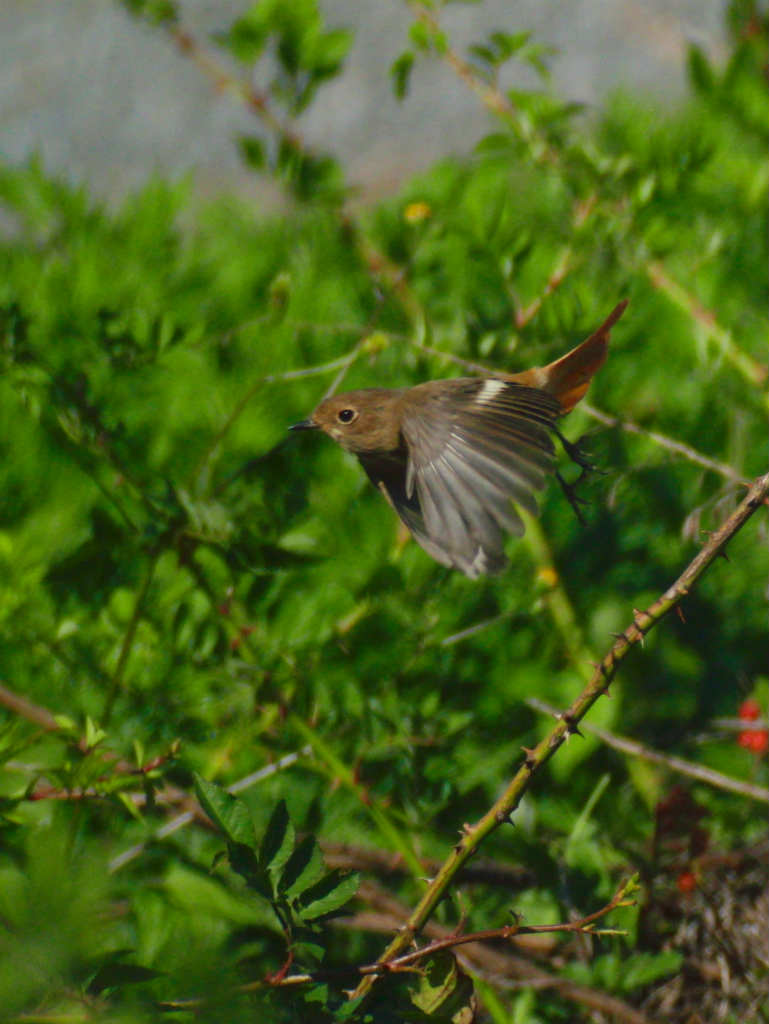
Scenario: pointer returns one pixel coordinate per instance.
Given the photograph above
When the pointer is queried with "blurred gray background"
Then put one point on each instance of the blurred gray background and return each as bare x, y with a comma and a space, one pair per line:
107, 100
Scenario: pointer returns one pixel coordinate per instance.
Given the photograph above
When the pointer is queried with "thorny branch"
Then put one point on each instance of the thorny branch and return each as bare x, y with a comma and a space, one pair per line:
568, 722
670, 761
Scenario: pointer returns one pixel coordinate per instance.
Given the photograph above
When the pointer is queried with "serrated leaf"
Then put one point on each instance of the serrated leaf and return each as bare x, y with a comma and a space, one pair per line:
328, 895
278, 841
303, 868
226, 811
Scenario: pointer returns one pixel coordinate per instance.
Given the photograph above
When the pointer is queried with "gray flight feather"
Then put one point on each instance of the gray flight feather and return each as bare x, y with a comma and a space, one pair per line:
472, 449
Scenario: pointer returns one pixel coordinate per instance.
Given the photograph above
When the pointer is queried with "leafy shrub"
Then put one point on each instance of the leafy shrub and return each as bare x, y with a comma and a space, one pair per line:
184, 589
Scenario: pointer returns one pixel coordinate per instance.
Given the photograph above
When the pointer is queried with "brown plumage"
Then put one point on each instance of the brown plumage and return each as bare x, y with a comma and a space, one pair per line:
452, 455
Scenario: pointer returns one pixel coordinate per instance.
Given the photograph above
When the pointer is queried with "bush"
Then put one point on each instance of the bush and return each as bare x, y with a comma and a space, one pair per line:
185, 589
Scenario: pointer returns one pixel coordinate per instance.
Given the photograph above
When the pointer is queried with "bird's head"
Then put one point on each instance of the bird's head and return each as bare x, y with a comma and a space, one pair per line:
360, 421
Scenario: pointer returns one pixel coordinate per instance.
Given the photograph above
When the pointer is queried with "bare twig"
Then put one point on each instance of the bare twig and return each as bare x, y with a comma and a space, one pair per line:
125, 649
740, 724
226, 82
669, 443
753, 371
507, 932
567, 725
489, 94
27, 709
675, 764
505, 969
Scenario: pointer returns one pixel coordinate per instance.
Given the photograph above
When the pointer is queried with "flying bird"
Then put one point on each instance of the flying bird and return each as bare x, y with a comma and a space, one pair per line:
452, 456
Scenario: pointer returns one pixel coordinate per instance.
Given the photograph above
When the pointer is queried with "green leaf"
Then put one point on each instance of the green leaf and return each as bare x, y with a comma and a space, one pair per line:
278, 841
420, 36
227, 811
306, 948
645, 968
253, 152
158, 12
400, 72
328, 895
303, 868
700, 71
244, 862
93, 734
444, 991
330, 50
247, 36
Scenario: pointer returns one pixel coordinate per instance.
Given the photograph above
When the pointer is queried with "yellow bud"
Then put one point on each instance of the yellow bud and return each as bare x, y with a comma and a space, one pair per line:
547, 575
416, 212
376, 342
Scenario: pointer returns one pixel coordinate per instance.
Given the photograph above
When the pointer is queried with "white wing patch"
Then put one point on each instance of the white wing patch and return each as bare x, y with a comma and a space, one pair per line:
490, 390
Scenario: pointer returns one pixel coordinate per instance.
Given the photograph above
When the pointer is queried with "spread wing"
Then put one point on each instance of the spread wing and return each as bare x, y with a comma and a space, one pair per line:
471, 449
388, 474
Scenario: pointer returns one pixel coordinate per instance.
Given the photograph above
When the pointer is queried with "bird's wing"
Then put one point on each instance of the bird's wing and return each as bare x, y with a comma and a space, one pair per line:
473, 448
388, 474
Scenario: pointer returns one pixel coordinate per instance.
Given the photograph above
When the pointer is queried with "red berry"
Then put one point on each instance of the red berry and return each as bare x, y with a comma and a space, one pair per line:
749, 710
757, 741
686, 882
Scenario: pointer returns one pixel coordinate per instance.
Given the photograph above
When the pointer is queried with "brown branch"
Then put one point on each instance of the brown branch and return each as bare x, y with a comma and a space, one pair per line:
225, 82
505, 969
27, 709
567, 725
507, 932
675, 764
490, 95
581, 925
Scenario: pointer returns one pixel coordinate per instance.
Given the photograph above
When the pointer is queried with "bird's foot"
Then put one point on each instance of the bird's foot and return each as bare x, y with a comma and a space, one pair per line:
570, 491
578, 455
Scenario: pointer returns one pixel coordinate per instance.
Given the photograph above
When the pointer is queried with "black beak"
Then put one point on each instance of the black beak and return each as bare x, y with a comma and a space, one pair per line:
304, 425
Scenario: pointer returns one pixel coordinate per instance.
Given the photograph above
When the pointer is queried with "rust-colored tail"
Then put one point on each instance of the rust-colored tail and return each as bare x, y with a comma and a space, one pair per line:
568, 378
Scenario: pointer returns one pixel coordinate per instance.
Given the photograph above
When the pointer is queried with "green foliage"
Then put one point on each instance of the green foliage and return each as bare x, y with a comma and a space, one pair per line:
187, 592
291, 876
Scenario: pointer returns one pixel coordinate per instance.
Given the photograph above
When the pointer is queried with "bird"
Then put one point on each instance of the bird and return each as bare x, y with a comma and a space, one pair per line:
452, 456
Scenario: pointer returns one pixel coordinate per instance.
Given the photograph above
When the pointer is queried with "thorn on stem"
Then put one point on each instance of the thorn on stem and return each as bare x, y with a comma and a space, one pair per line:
529, 761
572, 728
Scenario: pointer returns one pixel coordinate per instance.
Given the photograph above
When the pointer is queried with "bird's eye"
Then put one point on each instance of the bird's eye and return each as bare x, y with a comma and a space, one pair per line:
346, 415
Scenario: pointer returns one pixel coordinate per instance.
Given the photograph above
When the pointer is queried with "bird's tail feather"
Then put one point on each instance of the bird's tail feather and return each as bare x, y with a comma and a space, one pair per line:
568, 378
